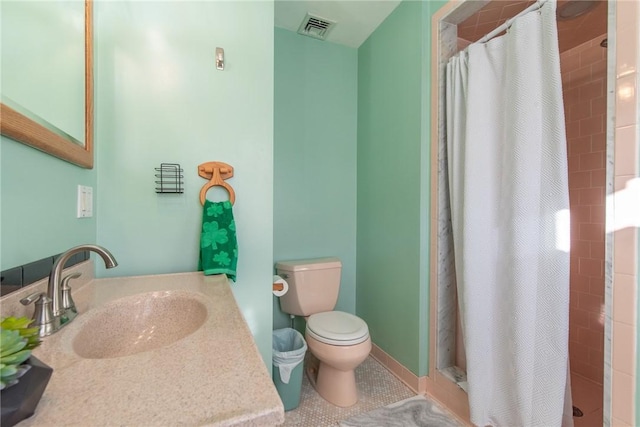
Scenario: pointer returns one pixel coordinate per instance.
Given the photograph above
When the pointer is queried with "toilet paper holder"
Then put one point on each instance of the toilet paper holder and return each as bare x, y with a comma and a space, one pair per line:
280, 286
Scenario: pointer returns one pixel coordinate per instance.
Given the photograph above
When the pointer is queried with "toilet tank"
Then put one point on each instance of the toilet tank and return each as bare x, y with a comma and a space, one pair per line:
313, 285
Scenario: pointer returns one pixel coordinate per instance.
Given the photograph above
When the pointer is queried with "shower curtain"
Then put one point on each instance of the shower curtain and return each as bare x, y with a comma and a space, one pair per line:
510, 204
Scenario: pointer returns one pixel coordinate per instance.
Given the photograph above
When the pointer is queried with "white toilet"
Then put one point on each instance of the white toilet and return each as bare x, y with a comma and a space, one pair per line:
339, 340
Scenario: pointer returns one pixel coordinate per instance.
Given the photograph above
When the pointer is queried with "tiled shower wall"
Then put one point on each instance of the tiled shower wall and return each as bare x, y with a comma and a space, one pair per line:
625, 403
584, 74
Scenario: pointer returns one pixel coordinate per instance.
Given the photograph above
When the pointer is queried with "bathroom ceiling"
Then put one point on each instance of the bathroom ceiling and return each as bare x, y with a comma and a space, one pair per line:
355, 20
571, 33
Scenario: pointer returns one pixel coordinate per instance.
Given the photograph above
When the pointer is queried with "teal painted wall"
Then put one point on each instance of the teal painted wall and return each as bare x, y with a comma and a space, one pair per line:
389, 216
39, 196
315, 137
393, 187
161, 99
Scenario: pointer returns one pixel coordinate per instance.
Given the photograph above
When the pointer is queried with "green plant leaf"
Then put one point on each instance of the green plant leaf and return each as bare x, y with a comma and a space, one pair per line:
7, 371
8, 339
13, 323
19, 345
20, 324
16, 358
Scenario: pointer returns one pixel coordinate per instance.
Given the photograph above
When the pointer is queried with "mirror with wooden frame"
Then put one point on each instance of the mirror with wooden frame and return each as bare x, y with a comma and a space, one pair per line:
26, 127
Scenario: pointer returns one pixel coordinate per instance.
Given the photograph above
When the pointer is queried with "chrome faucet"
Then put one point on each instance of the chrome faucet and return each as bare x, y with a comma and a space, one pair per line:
54, 290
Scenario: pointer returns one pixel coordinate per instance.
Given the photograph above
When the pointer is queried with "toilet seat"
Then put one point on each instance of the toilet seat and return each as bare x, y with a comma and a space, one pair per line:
337, 328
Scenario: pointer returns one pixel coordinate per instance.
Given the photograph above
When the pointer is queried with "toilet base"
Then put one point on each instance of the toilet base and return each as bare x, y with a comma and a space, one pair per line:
311, 365
336, 386
344, 396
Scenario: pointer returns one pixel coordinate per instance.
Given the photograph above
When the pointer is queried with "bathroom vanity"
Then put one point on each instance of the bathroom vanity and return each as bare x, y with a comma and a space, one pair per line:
159, 350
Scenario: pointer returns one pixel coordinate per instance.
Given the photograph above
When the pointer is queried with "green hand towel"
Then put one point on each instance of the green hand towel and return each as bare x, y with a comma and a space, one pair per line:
218, 245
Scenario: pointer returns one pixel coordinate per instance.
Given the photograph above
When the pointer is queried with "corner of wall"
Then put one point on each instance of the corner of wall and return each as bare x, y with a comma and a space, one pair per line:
392, 225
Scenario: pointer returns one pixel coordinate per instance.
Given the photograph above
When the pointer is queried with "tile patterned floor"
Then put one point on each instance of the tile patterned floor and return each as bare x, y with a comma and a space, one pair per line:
587, 396
377, 387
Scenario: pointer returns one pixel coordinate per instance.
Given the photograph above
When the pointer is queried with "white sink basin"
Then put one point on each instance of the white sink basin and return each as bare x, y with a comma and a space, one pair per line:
138, 323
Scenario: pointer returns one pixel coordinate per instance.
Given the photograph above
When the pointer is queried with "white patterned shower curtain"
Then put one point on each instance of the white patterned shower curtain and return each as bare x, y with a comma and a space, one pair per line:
509, 197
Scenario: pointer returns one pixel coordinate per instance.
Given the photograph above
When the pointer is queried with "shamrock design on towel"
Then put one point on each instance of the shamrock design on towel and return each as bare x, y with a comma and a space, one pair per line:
218, 244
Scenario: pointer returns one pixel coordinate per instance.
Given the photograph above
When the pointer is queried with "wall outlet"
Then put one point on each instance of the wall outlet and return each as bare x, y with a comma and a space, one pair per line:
85, 201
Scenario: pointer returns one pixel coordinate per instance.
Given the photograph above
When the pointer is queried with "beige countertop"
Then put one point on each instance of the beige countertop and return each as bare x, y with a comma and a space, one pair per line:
214, 376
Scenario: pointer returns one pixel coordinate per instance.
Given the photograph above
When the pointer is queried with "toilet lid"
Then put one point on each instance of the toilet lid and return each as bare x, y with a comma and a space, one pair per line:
337, 328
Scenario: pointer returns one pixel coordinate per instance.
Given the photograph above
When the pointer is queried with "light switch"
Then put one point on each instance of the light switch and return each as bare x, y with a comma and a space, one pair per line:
85, 201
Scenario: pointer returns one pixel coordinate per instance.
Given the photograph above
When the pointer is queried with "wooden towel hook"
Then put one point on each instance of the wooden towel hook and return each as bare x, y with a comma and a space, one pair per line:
216, 173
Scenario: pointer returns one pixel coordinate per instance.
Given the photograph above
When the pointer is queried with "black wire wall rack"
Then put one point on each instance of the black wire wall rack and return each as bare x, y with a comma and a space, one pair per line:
170, 178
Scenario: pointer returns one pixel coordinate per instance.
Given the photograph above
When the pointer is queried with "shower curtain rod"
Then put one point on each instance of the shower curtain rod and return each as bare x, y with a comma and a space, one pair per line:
537, 5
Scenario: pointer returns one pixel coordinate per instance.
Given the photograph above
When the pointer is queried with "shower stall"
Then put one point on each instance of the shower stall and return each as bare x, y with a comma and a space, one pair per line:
582, 34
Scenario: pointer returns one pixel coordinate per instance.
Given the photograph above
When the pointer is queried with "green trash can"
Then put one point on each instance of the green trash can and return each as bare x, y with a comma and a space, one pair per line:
289, 348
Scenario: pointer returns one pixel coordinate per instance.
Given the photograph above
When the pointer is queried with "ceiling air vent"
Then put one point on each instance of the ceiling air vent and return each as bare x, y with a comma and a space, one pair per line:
316, 27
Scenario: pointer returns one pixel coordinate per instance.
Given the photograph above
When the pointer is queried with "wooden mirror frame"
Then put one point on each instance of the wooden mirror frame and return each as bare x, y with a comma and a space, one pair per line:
16, 125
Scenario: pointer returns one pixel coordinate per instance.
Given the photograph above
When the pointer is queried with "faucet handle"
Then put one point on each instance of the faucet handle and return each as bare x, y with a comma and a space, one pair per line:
65, 280
68, 305
33, 297
43, 313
